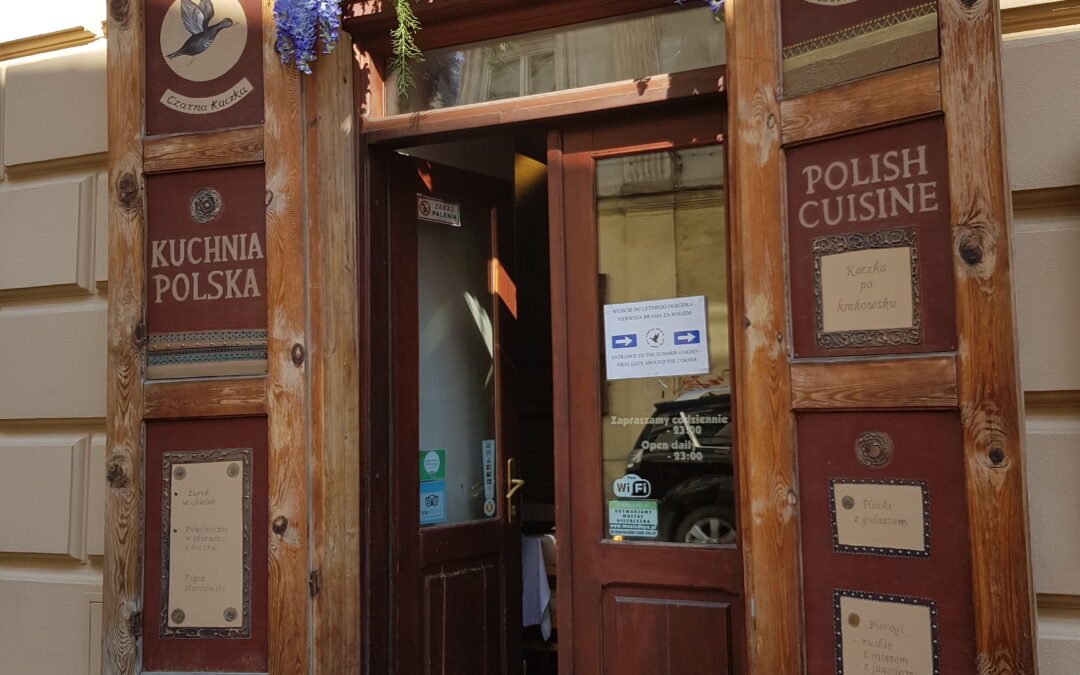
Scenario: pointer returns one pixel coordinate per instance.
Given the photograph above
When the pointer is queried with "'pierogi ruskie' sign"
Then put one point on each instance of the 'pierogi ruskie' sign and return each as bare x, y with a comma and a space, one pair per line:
203, 65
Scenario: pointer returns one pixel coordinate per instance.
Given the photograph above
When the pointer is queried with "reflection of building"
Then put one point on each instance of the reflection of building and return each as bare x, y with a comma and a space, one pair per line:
564, 59
53, 278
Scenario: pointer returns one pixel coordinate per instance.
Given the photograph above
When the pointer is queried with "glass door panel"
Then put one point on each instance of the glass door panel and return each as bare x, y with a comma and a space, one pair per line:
666, 417
456, 365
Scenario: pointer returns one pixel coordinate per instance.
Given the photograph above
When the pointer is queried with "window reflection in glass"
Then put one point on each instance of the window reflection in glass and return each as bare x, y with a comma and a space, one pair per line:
667, 451
563, 58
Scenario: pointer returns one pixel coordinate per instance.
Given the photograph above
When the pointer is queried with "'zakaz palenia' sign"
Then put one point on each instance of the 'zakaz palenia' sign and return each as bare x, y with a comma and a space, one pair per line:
206, 273
203, 65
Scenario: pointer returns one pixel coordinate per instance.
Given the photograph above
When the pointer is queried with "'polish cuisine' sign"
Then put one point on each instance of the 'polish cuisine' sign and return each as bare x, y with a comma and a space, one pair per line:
869, 242
206, 273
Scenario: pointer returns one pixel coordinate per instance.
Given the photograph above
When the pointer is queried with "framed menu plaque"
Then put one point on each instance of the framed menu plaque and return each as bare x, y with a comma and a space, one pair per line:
206, 564
869, 243
205, 559
888, 517
878, 633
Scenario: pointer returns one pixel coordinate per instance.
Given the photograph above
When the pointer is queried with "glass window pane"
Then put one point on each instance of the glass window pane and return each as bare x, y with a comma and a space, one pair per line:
573, 56
667, 417
457, 368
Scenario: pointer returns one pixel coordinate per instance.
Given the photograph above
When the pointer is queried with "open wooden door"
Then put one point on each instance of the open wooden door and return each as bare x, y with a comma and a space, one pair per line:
643, 376
455, 545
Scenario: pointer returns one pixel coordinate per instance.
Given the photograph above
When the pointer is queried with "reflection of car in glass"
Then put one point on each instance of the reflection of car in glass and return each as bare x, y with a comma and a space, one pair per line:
684, 452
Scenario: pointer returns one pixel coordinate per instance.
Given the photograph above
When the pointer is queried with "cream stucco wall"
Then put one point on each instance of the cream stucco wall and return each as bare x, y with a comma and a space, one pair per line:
1041, 75
53, 229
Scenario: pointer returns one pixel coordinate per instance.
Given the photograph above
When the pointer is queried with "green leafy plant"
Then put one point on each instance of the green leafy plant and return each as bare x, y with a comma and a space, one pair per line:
403, 42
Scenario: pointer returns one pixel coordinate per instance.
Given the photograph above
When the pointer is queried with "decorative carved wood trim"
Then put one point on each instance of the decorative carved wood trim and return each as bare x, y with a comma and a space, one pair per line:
122, 576
903, 382
988, 385
200, 151
889, 97
766, 466
287, 363
1041, 15
207, 398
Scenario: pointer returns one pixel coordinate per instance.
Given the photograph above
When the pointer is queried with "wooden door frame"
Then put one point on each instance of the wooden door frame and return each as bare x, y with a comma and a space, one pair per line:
571, 498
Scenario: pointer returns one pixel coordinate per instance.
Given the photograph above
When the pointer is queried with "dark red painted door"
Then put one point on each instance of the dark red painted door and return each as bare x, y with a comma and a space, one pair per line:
644, 452
455, 546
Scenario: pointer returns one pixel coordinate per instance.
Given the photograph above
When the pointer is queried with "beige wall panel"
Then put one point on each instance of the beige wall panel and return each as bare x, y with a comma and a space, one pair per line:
46, 234
1059, 641
42, 495
1042, 85
44, 627
1048, 298
55, 107
94, 662
101, 228
95, 497
1053, 463
53, 361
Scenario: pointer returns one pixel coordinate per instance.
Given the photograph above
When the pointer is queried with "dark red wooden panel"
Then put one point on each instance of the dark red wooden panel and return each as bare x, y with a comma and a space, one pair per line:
857, 166
247, 655
928, 447
805, 20
218, 87
666, 631
461, 619
206, 273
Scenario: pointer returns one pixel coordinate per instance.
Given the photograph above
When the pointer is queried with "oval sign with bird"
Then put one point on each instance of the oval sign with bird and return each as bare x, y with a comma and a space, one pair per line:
202, 39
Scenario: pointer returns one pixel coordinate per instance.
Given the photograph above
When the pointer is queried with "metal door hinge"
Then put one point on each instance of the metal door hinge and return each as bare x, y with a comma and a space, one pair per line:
313, 583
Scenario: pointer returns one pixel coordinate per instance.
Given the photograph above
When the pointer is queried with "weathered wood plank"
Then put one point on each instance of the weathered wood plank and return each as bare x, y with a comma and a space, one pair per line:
894, 95
885, 383
335, 375
766, 464
287, 356
200, 151
596, 98
204, 398
987, 376
122, 577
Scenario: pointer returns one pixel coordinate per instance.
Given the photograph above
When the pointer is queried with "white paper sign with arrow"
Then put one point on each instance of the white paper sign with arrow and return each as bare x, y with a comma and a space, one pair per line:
656, 338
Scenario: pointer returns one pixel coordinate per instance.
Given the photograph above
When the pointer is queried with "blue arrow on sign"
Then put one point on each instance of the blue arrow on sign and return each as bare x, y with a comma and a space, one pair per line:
623, 341
687, 337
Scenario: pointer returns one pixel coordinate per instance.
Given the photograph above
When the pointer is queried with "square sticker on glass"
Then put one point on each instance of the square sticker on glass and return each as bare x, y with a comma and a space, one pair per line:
432, 464
432, 502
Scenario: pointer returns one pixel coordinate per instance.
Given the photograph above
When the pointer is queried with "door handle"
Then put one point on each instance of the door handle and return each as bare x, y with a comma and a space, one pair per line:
514, 484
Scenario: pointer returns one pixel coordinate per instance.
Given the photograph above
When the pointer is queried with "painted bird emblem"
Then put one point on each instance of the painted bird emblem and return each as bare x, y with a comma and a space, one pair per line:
197, 22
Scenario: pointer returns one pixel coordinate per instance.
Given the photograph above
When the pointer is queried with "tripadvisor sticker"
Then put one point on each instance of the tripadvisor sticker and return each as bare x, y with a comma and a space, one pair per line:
432, 464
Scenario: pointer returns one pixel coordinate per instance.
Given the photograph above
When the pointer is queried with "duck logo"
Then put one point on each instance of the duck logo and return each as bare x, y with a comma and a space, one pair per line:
201, 42
632, 485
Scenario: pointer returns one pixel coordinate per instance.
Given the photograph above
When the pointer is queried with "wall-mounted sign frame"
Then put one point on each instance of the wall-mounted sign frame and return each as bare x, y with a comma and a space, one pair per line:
206, 544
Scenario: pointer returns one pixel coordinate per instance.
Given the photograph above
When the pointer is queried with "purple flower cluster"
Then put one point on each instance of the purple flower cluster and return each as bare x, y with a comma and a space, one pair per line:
300, 23
715, 5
